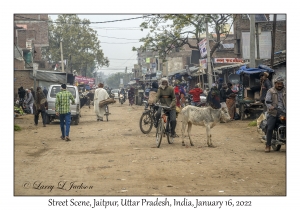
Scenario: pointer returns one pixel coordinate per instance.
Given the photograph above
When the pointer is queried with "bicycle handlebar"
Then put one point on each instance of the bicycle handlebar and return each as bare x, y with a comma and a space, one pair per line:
164, 107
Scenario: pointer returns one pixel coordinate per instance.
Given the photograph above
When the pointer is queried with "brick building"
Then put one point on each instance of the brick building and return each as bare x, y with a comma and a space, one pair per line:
30, 36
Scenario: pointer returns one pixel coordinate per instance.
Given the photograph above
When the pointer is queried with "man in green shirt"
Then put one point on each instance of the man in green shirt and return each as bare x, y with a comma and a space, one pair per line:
166, 96
62, 109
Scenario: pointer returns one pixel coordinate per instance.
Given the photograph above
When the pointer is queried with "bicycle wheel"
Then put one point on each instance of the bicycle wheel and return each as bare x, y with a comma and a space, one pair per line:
159, 133
146, 123
168, 132
106, 112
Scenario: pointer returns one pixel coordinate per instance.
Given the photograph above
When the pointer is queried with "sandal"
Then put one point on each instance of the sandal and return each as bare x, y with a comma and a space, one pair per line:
67, 138
62, 138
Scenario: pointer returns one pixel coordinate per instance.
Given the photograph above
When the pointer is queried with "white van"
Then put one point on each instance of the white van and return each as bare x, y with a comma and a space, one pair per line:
51, 98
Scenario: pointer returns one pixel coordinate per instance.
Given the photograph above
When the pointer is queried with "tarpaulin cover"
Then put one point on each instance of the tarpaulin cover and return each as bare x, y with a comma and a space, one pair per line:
261, 68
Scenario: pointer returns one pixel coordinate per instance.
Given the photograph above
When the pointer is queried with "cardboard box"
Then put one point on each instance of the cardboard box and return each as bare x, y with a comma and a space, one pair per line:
257, 95
248, 93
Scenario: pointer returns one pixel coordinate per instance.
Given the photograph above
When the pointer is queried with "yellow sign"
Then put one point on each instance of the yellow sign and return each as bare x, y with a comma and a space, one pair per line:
147, 60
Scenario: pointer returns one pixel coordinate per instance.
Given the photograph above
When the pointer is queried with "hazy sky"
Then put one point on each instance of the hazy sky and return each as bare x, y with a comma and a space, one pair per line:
117, 39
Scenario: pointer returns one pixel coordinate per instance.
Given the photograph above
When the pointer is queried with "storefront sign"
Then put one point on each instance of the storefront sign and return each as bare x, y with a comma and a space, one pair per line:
84, 80
228, 60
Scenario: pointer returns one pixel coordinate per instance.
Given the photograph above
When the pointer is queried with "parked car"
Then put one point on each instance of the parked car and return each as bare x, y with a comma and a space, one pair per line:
51, 98
115, 92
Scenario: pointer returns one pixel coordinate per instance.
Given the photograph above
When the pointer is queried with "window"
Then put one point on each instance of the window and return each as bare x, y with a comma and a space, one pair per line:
56, 89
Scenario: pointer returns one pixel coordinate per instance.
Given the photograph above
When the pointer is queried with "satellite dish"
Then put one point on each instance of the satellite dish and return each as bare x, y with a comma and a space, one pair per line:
234, 78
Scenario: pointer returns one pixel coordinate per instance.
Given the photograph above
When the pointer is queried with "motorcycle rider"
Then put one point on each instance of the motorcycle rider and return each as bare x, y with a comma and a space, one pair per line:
195, 92
166, 96
122, 91
276, 105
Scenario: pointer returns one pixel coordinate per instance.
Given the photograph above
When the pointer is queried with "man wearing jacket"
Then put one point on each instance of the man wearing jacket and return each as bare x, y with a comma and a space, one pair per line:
166, 96
29, 100
276, 104
196, 95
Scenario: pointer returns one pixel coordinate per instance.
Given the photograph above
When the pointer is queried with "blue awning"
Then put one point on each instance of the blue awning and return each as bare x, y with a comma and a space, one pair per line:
261, 68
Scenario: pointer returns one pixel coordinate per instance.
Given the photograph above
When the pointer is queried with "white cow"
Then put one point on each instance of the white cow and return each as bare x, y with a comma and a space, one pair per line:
205, 116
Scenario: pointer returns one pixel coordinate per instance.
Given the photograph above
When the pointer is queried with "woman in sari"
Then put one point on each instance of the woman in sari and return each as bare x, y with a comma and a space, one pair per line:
131, 96
230, 101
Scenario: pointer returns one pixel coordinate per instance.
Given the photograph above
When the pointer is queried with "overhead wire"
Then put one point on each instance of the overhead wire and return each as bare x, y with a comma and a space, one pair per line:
110, 21
117, 37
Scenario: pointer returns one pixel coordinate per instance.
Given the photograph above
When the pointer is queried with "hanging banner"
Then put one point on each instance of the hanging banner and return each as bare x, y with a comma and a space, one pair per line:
202, 48
203, 63
85, 80
148, 60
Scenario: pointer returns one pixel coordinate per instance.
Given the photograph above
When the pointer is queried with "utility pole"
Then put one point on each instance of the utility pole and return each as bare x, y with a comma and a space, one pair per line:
257, 41
62, 61
62, 57
252, 41
273, 40
208, 56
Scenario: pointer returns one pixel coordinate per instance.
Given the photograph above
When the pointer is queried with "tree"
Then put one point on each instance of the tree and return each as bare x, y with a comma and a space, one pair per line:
173, 31
80, 44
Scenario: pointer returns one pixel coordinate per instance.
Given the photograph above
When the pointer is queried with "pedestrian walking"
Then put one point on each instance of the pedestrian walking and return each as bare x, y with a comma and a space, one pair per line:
29, 100
21, 93
32, 92
40, 106
195, 92
230, 101
45, 91
131, 96
100, 95
265, 84
62, 109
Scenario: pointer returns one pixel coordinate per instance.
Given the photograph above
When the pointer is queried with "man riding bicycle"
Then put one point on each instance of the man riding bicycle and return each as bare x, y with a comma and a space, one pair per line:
166, 96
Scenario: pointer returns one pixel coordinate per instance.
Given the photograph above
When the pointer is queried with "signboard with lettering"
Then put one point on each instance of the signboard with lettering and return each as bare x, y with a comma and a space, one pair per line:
203, 63
202, 48
85, 80
228, 60
265, 45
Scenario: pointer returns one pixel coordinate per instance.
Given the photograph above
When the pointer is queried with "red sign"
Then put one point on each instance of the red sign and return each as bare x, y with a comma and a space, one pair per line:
85, 80
229, 60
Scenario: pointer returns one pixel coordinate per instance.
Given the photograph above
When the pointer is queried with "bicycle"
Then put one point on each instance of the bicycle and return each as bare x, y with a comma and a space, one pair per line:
163, 126
106, 112
148, 118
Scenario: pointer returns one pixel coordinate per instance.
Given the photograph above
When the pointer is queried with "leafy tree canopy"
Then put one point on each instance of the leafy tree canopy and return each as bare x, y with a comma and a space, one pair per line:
81, 46
173, 31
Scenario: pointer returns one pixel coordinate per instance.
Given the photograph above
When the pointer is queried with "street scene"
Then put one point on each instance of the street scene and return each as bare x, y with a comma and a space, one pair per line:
190, 105
117, 159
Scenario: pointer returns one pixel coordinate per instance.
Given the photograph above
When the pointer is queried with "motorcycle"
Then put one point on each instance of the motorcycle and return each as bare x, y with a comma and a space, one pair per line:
279, 132
121, 98
189, 100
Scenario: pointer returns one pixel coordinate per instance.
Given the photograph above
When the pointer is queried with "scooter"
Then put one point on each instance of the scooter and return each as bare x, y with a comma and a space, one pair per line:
279, 132
121, 98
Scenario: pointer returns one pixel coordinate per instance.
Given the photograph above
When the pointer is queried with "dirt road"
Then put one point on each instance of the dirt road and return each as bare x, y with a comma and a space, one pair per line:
115, 158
